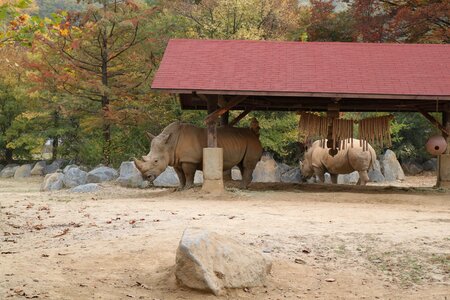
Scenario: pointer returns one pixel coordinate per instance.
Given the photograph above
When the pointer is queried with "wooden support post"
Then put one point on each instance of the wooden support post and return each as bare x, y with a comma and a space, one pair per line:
212, 124
446, 124
445, 131
217, 113
225, 117
240, 117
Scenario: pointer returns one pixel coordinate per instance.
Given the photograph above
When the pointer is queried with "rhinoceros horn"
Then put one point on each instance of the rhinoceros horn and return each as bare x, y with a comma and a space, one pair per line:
138, 163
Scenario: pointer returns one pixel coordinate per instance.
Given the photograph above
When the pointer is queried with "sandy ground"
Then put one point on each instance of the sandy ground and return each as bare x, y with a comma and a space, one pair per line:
326, 242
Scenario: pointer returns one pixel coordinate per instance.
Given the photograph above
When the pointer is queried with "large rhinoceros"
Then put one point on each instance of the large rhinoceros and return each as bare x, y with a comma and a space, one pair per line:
180, 145
317, 161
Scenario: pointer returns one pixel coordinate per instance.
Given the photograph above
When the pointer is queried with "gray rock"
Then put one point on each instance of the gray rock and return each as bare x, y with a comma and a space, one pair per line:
86, 188
390, 167
102, 174
351, 178
283, 168
236, 174
38, 169
68, 167
412, 168
430, 165
9, 171
198, 178
54, 166
168, 178
53, 182
211, 262
74, 177
327, 178
266, 170
1, 167
292, 176
130, 176
375, 174
23, 171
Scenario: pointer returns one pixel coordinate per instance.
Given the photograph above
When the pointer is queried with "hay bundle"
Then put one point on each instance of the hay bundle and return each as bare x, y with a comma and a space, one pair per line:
376, 130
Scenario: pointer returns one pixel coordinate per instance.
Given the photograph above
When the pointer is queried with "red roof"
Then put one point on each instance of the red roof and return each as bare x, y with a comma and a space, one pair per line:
282, 68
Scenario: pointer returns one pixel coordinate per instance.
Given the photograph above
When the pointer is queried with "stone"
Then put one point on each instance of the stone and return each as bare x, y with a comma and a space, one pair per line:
283, 168
54, 166
375, 174
102, 174
168, 178
351, 178
430, 165
1, 167
412, 168
38, 169
68, 167
86, 188
53, 182
292, 176
74, 177
9, 171
130, 176
327, 178
23, 171
236, 174
198, 177
266, 170
211, 262
390, 167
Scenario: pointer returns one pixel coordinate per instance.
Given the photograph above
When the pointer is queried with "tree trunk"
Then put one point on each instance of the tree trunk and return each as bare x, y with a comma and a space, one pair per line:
55, 143
8, 155
106, 127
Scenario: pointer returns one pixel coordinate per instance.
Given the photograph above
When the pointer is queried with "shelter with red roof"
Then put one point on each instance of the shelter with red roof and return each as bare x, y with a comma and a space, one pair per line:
223, 75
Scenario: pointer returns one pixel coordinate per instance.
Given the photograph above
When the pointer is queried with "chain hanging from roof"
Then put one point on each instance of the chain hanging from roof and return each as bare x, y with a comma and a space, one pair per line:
339, 132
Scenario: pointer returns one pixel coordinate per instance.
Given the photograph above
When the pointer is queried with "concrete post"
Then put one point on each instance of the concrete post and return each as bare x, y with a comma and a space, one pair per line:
213, 170
443, 172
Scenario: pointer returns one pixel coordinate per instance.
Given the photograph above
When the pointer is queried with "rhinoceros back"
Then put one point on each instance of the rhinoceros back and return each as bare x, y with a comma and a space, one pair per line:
239, 145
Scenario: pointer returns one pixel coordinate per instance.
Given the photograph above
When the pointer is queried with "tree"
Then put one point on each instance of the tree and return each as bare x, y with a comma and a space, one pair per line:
103, 57
238, 19
409, 21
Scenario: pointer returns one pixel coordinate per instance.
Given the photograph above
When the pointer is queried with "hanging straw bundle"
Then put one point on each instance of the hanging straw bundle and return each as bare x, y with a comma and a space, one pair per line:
375, 130
312, 125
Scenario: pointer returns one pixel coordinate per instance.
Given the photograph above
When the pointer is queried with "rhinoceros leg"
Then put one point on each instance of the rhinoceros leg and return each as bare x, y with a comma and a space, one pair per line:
334, 178
181, 177
363, 178
189, 173
320, 174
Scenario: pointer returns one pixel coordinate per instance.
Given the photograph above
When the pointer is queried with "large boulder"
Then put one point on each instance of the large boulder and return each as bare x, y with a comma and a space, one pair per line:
54, 166
292, 176
266, 170
210, 262
9, 171
430, 165
68, 167
38, 169
130, 176
1, 167
390, 167
74, 177
351, 178
86, 188
236, 174
375, 174
102, 174
168, 178
412, 168
23, 171
53, 182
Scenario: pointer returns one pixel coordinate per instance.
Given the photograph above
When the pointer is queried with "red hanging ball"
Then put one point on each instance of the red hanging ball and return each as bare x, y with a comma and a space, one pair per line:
436, 145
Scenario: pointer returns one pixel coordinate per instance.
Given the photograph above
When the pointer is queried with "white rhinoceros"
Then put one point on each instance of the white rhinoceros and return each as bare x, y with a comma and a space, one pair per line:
180, 145
317, 161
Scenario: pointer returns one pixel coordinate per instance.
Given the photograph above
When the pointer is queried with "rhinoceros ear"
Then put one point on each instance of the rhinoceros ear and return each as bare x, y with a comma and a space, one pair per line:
149, 136
165, 138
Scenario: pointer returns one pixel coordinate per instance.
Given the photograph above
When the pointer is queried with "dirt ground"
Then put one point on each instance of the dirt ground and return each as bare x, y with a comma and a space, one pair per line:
326, 242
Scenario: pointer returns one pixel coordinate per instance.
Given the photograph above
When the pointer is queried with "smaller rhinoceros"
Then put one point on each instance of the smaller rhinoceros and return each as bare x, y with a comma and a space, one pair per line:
180, 145
317, 161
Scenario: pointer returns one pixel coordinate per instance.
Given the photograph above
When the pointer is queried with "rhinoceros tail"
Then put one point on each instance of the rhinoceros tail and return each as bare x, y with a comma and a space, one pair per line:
373, 158
254, 126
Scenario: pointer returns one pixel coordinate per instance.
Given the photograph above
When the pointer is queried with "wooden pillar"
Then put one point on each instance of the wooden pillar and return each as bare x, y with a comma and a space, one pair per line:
224, 119
443, 172
212, 126
446, 124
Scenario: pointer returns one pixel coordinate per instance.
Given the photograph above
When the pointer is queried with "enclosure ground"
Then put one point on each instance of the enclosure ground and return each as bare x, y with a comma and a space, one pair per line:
326, 242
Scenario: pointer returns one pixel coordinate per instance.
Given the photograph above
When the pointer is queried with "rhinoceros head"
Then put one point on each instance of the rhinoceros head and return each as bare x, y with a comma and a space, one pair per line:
306, 169
157, 160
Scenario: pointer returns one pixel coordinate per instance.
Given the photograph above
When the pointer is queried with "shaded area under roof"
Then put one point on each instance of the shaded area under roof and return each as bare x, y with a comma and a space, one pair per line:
308, 76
